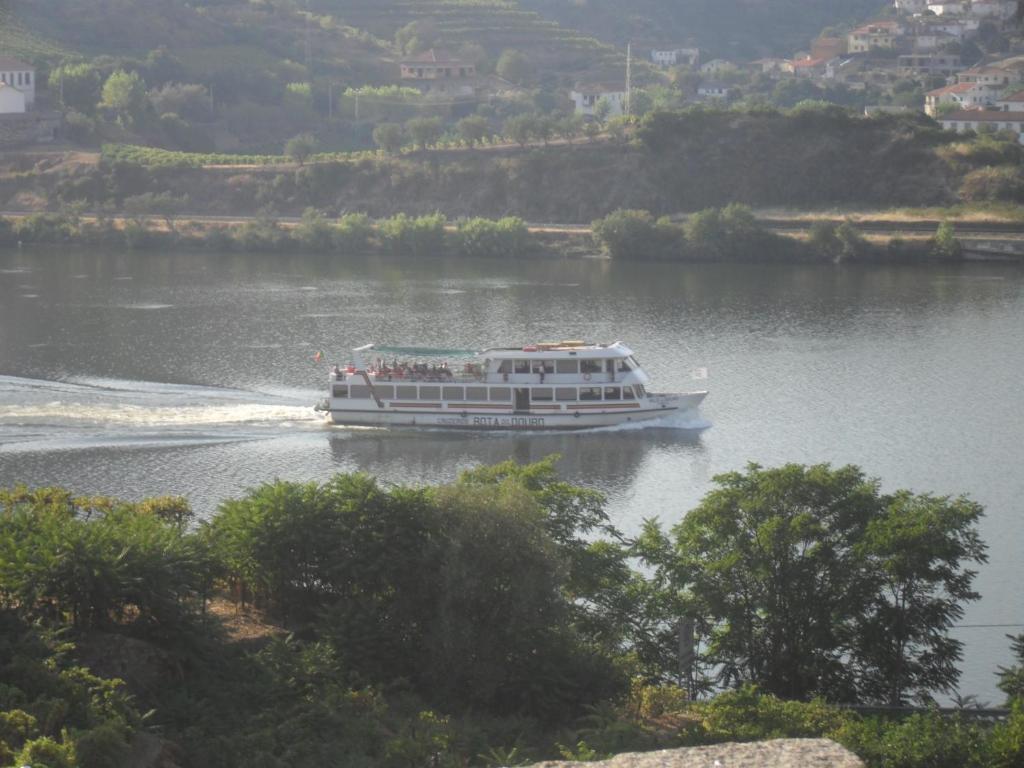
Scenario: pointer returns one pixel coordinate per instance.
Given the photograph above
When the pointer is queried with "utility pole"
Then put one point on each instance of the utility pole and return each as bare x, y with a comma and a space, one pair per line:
309, 51
629, 77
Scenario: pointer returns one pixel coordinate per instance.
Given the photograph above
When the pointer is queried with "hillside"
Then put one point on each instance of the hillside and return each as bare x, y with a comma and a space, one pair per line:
681, 162
740, 29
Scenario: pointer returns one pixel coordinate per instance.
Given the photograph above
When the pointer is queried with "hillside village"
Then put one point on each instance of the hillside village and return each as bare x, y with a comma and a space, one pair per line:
417, 75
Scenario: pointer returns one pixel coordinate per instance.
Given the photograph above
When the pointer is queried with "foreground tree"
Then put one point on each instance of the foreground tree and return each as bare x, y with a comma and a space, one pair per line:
810, 582
300, 148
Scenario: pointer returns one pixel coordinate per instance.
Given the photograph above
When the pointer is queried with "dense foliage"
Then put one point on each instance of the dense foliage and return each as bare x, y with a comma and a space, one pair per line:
485, 622
810, 582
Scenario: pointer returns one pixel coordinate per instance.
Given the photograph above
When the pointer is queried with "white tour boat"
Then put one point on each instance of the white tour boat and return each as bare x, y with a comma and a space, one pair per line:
551, 385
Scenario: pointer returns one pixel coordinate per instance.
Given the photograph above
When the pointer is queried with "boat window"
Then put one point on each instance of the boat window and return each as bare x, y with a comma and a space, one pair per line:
612, 393
590, 366
359, 391
623, 365
590, 393
627, 393
639, 388
522, 366
430, 393
633, 362
567, 366
501, 394
505, 367
340, 390
476, 393
384, 391
406, 393
543, 366
565, 394
454, 393
542, 394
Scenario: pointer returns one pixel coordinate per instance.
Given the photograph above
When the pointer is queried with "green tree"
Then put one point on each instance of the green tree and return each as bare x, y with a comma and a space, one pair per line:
569, 126
602, 110
917, 552
314, 231
522, 129
424, 131
626, 234
515, 66
124, 94
945, 243
811, 582
300, 148
389, 137
473, 129
78, 86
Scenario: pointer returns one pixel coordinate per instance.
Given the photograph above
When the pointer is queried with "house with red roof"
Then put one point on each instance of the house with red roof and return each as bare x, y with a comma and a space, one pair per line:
1012, 102
962, 95
972, 120
437, 71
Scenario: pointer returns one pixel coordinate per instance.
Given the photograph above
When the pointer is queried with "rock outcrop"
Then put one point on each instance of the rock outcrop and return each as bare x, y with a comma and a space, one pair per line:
780, 753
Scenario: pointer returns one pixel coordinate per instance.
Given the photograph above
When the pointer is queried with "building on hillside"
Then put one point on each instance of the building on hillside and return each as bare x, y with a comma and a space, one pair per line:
827, 48
1011, 102
989, 75
20, 76
809, 67
993, 9
952, 8
586, 96
961, 95
717, 67
972, 120
873, 36
956, 28
926, 64
437, 71
673, 57
12, 101
712, 91
772, 67
911, 7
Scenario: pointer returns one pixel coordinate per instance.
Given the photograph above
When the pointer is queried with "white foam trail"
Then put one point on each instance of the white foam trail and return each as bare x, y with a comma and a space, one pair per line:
91, 414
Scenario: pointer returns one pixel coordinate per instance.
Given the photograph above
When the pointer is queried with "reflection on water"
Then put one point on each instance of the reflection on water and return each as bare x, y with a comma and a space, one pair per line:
141, 374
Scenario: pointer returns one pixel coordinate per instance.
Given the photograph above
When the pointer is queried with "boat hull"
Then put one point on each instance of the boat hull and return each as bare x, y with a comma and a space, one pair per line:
452, 417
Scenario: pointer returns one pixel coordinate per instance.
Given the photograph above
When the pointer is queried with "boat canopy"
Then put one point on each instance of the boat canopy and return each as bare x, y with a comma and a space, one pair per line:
417, 351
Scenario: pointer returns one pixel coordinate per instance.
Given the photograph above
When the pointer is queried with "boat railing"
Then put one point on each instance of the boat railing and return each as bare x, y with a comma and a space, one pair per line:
442, 376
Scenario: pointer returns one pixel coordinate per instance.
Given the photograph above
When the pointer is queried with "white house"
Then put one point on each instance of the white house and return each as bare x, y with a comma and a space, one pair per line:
993, 76
962, 95
948, 8
993, 9
12, 101
877, 34
675, 56
1013, 102
713, 91
975, 119
717, 66
911, 6
586, 97
20, 76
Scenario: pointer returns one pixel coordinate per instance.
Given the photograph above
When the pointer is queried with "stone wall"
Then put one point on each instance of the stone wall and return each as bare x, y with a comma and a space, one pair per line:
28, 128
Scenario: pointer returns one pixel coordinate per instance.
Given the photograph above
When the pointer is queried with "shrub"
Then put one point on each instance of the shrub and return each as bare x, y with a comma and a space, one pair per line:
407, 236
627, 234
505, 238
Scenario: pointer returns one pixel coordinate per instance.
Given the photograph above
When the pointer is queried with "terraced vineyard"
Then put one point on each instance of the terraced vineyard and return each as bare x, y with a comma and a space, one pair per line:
493, 24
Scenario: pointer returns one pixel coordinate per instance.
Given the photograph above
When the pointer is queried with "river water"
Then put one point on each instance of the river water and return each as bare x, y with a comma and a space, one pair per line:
181, 373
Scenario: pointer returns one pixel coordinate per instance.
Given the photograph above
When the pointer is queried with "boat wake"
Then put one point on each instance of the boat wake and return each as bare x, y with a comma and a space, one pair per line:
40, 414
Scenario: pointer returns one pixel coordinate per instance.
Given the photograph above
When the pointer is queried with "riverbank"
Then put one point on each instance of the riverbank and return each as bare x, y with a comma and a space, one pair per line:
730, 234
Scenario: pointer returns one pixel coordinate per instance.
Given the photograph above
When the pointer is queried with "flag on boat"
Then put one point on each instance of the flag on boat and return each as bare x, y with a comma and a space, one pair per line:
318, 356
699, 374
